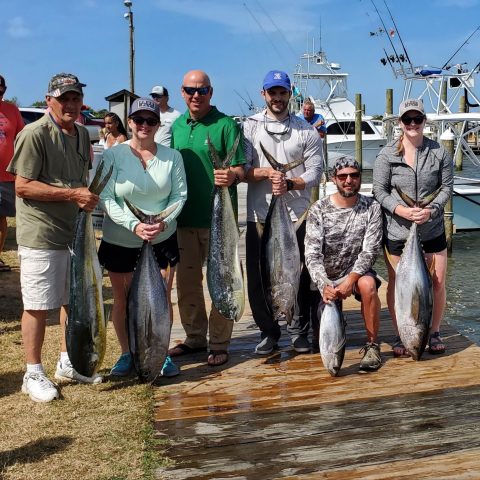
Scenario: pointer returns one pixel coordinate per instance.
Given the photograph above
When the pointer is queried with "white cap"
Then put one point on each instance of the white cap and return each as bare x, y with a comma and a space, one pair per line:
159, 90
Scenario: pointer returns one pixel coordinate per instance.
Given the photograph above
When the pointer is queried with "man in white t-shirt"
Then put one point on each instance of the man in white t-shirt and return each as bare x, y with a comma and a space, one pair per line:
167, 115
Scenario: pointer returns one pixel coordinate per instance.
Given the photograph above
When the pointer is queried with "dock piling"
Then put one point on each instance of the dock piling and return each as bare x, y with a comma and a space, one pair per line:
358, 128
447, 139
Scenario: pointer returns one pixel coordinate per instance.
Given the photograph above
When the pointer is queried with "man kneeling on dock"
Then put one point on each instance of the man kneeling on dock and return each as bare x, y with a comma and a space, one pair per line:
343, 239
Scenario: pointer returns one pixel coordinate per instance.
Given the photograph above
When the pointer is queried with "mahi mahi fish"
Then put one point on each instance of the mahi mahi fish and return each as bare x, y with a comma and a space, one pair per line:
279, 253
86, 324
148, 311
413, 289
224, 269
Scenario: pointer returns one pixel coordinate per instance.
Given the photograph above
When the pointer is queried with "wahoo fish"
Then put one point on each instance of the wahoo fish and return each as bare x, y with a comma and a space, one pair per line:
148, 311
224, 269
413, 289
86, 327
279, 253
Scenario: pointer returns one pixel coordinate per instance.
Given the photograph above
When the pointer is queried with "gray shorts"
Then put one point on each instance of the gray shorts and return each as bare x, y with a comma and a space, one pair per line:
44, 278
7, 199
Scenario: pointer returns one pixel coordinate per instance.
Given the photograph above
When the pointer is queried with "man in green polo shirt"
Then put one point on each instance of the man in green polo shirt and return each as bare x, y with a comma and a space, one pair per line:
189, 136
51, 162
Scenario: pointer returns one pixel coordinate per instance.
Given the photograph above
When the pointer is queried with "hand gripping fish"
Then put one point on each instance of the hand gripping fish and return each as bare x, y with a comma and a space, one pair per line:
413, 288
148, 312
224, 269
86, 325
279, 253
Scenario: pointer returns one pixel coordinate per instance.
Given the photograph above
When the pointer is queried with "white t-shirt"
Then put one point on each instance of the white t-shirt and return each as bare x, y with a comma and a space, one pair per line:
164, 133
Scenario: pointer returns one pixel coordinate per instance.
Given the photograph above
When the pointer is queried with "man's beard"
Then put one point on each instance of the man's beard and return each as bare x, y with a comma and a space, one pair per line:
348, 194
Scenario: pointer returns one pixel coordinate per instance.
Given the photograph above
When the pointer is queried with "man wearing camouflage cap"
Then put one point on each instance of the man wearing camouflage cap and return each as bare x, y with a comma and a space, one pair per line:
342, 242
51, 162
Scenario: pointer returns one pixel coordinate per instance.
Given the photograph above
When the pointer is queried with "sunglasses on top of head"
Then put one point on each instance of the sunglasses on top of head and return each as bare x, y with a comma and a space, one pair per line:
150, 121
417, 119
343, 176
193, 90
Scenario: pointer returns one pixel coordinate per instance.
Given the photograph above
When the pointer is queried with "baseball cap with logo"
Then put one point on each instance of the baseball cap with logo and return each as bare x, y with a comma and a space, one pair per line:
411, 104
144, 104
159, 90
64, 82
276, 78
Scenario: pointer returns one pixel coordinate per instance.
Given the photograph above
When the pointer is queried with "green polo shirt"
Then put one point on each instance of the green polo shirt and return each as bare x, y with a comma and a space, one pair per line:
189, 137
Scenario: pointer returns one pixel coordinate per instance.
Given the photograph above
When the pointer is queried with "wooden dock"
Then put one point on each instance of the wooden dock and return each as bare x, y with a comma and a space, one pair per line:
284, 416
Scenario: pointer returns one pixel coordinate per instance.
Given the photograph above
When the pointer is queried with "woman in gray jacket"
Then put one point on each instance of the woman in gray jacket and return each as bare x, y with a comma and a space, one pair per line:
418, 166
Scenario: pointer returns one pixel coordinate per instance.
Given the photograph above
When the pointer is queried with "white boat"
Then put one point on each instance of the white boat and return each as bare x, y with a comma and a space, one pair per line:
320, 81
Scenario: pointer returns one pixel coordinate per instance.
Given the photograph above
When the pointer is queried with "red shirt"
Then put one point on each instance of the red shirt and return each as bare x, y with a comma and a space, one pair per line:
11, 123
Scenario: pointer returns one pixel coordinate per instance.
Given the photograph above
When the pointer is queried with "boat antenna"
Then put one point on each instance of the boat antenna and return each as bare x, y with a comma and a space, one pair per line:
398, 33
386, 31
460, 47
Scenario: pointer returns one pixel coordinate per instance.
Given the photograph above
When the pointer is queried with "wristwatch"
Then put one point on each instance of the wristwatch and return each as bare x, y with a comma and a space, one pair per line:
290, 184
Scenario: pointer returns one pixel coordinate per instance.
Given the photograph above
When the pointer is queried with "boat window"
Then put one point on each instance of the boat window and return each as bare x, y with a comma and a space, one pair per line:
348, 128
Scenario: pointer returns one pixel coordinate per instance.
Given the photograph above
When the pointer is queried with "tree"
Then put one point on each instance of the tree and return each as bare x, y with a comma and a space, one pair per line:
39, 104
13, 100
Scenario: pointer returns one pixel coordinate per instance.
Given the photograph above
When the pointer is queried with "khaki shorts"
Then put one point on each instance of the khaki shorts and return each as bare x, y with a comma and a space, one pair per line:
44, 278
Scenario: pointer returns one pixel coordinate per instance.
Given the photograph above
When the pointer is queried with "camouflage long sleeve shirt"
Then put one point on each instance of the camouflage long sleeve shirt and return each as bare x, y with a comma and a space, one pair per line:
342, 240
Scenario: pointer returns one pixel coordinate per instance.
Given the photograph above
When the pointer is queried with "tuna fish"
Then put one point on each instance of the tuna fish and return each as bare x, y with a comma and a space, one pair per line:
148, 311
280, 255
224, 269
413, 289
86, 324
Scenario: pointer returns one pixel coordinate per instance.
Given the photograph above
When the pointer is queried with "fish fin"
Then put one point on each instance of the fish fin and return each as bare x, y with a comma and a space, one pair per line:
96, 179
165, 213
231, 153
143, 217
411, 203
214, 156
300, 221
431, 268
280, 167
101, 185
429, 198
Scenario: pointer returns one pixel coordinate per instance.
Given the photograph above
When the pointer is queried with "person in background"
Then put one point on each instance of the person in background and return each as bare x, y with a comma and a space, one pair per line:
51, 163
152, 178
343, 240
189, 135
287, 138
418, 166
11, 123
115, 132
313, 118
167, 115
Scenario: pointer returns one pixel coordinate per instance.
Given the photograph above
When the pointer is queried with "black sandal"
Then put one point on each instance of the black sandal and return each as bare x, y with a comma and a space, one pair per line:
398, 345
436, 342
185, 350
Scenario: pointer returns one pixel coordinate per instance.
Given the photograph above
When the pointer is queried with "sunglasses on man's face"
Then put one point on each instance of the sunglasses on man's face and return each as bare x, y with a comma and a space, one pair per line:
193, 90
417, 120
343, 176
157, 97
150, 121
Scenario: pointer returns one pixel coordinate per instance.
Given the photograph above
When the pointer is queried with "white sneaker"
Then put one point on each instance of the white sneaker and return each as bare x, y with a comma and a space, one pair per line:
66, 373
39, 387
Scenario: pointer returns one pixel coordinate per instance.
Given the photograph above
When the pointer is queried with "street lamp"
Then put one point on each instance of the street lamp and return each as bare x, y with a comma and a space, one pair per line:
129, 15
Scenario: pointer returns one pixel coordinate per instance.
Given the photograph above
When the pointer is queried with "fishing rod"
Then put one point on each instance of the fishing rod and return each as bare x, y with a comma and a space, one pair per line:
461, 46
385, 28
399, 37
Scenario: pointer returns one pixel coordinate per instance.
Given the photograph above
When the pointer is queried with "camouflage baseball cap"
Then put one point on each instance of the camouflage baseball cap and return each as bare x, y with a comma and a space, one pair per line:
64, 82
345, 161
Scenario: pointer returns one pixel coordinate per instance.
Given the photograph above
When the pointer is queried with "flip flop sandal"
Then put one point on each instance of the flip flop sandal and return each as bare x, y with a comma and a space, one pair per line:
185, 350
212, 358
436, 342
398, 345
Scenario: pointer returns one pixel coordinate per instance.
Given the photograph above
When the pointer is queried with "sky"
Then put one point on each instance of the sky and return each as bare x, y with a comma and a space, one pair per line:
235, 41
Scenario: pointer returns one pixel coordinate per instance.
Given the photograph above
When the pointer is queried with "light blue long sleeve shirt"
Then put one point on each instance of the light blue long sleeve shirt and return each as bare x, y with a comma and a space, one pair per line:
151, 190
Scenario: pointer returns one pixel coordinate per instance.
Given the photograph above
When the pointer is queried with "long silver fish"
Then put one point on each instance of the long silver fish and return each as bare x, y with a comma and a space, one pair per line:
148, 312
224, 269
279, 253
413, 289
86, 324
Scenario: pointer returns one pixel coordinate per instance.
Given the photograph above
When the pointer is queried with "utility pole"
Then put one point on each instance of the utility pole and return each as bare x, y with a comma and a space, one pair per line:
129, 15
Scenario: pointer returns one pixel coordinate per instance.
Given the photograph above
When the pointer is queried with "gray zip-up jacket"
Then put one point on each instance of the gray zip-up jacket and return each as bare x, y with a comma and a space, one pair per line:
433, 169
